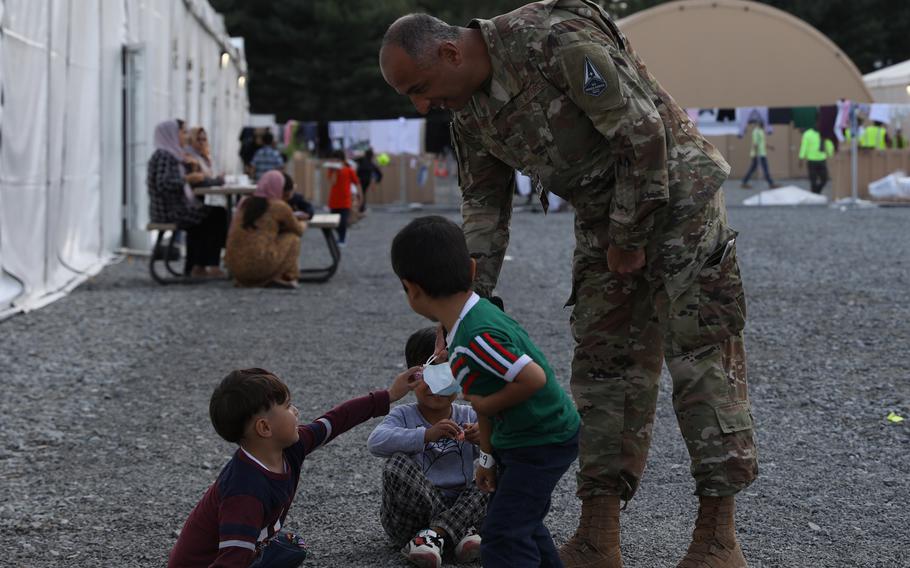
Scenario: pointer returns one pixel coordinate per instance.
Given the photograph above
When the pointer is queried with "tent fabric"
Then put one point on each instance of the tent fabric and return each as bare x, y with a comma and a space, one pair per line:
898, 74
62, 121
733, 53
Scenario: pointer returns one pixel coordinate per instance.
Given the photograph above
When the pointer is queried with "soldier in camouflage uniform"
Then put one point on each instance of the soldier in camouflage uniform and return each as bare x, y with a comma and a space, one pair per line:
553, 89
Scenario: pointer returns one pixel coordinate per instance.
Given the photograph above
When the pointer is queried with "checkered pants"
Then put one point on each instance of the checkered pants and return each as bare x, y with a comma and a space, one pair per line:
411, 503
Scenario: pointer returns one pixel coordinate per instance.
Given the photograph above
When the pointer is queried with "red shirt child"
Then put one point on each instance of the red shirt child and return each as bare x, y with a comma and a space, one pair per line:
340, 194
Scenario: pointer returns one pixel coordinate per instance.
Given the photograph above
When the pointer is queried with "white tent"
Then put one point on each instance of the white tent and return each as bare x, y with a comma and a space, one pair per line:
83, 85
891, 84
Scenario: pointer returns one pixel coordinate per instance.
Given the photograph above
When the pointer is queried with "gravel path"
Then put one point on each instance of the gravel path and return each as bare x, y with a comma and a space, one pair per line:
106, 445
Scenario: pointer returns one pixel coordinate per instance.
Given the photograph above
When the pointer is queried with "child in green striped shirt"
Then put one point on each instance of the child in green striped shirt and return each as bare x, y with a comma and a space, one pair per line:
528, 425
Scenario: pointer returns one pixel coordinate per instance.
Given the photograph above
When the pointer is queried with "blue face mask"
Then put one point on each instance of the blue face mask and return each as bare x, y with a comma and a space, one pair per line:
440, 379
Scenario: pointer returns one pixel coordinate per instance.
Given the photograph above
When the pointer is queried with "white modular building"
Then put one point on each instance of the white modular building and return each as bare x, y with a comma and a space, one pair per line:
83, 83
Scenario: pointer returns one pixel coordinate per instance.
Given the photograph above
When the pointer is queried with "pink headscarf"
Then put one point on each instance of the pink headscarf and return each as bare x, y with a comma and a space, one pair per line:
270, 186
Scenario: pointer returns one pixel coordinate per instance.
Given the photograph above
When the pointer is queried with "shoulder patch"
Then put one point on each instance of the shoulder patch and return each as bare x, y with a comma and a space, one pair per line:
594, 84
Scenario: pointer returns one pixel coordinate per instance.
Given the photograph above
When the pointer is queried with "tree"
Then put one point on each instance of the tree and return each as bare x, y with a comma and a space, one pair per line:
318, 59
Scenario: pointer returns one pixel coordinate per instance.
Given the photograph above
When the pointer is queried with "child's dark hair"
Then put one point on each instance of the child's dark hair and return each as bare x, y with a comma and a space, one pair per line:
288, 183
431, 252
420, 346
241, 395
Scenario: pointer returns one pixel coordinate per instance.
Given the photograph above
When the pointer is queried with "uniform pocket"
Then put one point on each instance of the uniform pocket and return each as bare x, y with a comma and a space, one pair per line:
713, 309
722, 301
734, 417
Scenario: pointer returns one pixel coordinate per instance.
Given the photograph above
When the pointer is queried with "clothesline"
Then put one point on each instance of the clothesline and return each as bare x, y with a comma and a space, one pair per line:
833, 118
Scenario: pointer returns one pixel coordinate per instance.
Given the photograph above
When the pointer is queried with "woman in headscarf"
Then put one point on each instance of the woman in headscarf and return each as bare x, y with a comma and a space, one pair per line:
171, 200
200, 154
263, 243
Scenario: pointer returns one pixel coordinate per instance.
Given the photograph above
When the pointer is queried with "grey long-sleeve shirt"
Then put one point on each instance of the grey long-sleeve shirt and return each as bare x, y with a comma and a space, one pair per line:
447, 463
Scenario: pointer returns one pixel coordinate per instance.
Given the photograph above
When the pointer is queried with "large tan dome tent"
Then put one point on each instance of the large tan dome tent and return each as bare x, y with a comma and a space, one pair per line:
732, 53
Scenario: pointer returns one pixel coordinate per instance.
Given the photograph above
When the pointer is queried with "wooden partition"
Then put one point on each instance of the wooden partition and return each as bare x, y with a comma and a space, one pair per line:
419, 181
783, 153
872, 165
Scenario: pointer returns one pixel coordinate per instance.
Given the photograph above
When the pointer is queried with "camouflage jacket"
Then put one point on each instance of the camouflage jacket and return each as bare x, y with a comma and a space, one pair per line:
572, 106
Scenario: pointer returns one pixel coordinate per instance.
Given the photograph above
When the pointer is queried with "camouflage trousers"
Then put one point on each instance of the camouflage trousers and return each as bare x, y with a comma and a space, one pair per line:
624, 328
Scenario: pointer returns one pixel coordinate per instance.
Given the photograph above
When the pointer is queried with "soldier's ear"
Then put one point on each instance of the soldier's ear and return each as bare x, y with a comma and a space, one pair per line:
473, 269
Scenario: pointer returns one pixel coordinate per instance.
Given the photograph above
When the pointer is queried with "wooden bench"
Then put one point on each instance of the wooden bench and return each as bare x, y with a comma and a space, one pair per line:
327, 222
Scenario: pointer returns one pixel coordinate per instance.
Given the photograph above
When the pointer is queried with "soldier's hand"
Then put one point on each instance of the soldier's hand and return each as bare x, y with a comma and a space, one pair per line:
625, 261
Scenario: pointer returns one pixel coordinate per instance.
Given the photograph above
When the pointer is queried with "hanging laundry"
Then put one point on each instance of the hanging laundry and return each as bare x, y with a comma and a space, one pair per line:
805, 117
826, 119
780, 115
745, 115
726, 115
880, 112
842, 120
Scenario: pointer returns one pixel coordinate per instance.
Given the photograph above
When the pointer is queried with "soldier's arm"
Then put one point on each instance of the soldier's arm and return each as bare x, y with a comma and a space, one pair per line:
487, 186
595, 75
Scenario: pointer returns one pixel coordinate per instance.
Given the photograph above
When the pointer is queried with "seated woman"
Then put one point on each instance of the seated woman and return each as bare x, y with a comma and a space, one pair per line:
199, 158
171, 200
263, 243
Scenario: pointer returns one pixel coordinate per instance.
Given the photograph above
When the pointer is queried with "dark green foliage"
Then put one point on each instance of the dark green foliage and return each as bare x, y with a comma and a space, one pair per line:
318, 59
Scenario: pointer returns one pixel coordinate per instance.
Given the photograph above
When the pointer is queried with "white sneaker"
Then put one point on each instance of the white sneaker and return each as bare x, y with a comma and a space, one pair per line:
425, 549
468, 549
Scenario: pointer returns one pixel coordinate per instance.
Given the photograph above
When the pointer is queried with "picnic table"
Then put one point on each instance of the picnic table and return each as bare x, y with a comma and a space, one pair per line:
165, 250
230, 192
327, 222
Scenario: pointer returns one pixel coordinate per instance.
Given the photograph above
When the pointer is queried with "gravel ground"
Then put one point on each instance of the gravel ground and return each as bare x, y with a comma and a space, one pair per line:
106, 445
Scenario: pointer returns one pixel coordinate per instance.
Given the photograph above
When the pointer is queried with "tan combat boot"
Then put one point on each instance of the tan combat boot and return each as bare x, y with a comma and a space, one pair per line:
714, 543
596, 541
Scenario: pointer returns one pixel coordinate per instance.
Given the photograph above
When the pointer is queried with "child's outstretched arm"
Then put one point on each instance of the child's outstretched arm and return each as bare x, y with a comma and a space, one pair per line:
531, 379
351, 413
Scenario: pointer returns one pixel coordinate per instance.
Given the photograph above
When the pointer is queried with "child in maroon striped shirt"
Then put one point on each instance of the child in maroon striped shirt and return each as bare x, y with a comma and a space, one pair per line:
237, 522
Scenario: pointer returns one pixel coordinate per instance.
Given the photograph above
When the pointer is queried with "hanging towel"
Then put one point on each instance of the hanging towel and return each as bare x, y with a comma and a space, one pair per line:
780, 115
880, 112
805, 117
826, 119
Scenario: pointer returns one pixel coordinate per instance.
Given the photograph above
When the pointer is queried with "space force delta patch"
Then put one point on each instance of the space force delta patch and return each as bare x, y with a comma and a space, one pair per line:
595, 84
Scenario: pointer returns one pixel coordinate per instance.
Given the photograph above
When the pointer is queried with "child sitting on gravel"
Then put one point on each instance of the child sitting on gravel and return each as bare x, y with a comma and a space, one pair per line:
429, 499
237, 521
528, 425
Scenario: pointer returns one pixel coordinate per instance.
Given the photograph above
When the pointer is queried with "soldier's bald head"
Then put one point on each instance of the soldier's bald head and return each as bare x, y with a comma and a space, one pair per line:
434, 64
419, 36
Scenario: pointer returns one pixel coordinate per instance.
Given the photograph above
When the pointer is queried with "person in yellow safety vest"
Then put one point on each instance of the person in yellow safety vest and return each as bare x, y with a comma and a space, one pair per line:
875, 137
816, 150
848, 133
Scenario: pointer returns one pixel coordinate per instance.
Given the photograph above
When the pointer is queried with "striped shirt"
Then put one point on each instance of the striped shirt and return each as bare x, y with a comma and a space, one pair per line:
247, 504
487, 350
267, 159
